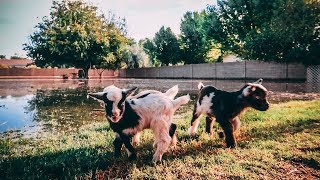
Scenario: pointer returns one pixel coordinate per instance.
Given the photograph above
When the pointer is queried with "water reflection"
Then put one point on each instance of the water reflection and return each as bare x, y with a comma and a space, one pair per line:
14, 115
49, 110
32, 105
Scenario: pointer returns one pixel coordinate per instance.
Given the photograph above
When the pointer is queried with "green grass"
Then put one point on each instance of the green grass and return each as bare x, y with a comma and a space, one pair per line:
283, 142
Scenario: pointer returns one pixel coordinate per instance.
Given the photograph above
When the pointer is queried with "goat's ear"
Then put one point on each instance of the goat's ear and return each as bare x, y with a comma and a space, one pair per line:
98, 95
247, 90
259, 81
130, 91
200, 85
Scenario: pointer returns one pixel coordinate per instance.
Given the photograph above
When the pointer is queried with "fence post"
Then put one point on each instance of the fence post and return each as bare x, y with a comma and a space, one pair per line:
245, 70
287, 70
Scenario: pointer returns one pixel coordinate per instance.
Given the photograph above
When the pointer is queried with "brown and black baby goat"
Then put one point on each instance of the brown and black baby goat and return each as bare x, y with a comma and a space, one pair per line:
226, 106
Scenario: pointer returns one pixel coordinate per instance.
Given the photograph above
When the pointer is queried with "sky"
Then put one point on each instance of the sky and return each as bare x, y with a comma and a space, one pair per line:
144, 18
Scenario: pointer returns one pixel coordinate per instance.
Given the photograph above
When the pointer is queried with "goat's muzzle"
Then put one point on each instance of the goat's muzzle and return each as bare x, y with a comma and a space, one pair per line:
114, 119
263, 107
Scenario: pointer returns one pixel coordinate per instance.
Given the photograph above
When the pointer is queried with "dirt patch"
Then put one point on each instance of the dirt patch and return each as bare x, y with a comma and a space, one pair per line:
296, 170
277, 97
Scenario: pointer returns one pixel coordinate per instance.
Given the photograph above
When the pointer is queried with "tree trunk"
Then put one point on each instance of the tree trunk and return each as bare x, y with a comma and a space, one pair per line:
100, 73
86, 73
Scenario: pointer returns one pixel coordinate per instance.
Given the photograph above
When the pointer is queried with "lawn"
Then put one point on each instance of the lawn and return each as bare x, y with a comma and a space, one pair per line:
283, 142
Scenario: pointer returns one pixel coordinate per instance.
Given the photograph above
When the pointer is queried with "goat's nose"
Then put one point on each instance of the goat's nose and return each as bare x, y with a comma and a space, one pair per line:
115, 114
267, 105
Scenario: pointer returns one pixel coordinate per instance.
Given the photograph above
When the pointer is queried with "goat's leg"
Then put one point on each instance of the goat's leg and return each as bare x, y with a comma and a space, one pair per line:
136, 139
209, 124
236, 123
236, 126
162, 139
117, 146
172, 133
228, 131
194, 123
130, 149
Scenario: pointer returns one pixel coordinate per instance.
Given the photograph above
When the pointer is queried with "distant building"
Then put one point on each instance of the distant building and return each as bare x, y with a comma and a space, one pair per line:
21, 63
231, 58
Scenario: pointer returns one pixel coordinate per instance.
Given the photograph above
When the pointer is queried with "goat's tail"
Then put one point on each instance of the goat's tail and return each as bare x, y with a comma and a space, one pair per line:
200, 85
172, 92
180, 101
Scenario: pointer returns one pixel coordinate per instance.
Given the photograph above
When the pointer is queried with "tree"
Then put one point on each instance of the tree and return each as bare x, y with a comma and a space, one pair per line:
275, 30
167, 45
136, 57
76, 35
214, 31
16, 56
150, 48
2, 56
193, 38
292, 35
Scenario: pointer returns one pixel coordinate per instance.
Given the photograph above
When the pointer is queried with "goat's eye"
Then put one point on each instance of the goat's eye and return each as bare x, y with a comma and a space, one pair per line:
108, 103
120, 104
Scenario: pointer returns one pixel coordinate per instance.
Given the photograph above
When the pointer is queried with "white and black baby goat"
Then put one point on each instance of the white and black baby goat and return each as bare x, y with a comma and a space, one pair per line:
226, 106
129, 115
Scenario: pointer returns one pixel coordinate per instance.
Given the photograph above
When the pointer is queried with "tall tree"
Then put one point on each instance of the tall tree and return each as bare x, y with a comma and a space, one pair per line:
274, 30
214, 31
150, 48
168, 50
76, 35
292, 35
193, 38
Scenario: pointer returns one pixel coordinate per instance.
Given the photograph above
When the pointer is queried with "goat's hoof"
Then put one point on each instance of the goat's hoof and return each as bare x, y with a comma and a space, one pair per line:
135, 143
133, 156
232, 146
173, 147
191, 133
156, 158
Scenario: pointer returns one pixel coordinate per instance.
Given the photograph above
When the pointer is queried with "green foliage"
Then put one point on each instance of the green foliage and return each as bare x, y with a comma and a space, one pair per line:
167, 46
193, 38
136, 56
76, 35
292, 34
2, 56
16, 56
276, 30
150, 48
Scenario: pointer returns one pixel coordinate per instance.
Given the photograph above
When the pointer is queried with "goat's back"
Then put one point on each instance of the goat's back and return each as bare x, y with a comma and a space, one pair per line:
152, 105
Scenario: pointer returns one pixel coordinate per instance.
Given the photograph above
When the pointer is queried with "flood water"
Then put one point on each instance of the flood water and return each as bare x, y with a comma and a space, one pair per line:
29, 106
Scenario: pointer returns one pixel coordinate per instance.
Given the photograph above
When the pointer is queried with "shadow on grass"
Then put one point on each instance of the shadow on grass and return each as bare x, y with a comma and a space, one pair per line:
85, 162
57, 165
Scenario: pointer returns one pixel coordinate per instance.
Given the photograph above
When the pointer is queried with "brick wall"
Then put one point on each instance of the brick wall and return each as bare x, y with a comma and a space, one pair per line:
54, 72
